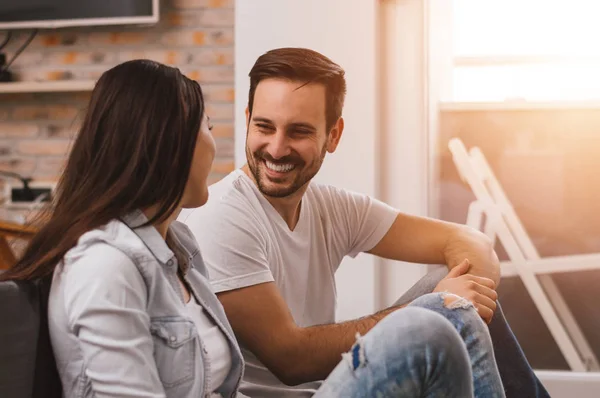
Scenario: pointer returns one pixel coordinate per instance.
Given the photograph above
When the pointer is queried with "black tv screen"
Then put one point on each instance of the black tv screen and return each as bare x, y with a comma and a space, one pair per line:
21, 14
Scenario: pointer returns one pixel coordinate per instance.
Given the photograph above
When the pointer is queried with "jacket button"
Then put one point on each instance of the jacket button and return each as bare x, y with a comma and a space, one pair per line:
173, 339
170, 263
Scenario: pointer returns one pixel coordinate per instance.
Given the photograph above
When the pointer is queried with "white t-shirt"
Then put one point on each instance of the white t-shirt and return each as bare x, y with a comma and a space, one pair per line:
244, 242
215, 344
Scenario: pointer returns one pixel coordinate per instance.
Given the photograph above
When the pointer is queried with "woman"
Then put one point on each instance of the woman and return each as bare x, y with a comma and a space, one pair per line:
131, 313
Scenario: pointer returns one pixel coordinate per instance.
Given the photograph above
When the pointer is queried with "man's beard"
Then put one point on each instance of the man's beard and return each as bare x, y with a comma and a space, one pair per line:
304, 174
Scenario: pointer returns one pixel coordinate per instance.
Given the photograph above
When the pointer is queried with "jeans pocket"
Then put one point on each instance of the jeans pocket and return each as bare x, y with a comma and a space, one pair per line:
175, 341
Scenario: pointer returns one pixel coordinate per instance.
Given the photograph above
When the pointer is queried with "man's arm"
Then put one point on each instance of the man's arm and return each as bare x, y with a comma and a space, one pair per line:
263, 323
428, 241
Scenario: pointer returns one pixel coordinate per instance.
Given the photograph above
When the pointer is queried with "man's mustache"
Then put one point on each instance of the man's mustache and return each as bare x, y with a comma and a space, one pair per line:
284, 160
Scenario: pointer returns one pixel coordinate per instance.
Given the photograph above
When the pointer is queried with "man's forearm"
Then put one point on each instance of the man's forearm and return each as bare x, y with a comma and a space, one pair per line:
321, 347
468, 243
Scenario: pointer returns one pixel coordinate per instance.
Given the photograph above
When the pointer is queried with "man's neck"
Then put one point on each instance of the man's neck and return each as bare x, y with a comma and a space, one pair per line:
287, 207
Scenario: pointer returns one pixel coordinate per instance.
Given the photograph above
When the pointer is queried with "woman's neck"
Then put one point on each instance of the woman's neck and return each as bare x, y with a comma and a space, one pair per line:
162, 226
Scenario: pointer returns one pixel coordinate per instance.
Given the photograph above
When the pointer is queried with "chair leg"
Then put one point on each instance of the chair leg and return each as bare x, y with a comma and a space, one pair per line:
555, 326
570, 323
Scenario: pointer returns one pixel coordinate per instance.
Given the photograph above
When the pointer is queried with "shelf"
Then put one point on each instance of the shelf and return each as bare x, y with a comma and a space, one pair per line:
46, 87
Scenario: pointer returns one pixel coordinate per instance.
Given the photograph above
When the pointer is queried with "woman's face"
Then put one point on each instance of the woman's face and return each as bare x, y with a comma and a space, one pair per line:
196, 190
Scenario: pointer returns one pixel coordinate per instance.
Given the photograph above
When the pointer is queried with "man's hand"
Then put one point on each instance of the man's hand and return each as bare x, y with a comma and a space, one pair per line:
478, 290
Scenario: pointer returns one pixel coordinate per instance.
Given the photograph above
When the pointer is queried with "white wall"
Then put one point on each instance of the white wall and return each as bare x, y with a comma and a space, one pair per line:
344, 31
404, 163
382, 150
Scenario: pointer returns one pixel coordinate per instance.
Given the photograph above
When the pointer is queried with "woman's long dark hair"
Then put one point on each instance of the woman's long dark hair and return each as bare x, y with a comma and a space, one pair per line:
134, 151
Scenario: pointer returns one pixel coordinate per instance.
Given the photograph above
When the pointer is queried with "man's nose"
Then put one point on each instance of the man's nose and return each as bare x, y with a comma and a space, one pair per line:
278, 146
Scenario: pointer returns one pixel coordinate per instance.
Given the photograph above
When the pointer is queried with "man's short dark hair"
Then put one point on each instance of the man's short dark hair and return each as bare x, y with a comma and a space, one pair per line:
305, 66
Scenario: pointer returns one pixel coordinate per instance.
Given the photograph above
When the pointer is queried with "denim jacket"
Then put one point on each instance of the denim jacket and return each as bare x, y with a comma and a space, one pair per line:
117, 316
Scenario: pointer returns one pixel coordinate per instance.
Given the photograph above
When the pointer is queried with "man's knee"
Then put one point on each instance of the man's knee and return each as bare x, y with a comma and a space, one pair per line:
424, 336
411, 338
414, 325
452, 307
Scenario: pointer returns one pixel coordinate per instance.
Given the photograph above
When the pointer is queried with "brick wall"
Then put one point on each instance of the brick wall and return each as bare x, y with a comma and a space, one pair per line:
195, 35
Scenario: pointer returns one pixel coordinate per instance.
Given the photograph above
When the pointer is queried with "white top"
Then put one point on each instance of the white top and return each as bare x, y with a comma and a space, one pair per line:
244, 241
215, 344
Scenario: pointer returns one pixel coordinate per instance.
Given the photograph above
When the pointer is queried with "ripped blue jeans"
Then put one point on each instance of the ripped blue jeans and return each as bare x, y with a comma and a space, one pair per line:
437, 346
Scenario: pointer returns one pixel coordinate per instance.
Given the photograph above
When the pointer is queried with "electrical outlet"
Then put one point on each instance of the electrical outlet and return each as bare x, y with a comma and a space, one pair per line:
22, 195
17, 196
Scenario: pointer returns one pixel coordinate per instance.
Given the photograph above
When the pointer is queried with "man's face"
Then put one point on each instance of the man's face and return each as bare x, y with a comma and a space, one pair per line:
286, 138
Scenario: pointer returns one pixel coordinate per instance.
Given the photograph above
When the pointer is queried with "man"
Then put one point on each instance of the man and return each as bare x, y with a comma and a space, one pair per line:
272, 239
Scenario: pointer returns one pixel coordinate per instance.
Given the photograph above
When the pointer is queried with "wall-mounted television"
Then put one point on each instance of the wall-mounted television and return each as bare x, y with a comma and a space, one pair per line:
47, 14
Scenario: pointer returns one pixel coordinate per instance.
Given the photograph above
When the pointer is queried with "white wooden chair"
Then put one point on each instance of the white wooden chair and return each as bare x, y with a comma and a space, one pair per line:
493, 213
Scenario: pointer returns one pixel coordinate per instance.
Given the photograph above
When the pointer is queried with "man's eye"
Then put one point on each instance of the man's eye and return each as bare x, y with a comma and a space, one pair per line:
302, 131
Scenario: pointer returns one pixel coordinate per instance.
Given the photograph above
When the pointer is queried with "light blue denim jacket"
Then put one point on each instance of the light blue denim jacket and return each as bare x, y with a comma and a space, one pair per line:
117, 316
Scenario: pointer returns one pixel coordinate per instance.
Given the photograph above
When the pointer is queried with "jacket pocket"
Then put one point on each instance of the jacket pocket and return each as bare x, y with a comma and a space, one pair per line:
175, 341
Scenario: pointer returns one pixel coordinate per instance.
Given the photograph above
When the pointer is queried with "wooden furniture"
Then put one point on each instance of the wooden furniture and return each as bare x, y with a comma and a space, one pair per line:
9, 230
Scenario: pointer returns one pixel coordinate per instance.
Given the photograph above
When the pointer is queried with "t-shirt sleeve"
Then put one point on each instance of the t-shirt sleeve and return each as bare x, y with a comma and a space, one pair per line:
363, 219
233, 247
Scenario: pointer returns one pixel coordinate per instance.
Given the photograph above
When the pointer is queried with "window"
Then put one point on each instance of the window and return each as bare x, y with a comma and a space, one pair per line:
530, 50
520, 80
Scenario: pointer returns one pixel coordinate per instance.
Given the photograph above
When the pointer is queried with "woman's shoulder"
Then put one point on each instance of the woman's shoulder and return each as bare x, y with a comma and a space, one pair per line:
97, 260
97, 251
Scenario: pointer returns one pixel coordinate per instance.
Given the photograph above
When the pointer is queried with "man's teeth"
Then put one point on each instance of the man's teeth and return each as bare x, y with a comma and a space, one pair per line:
281, 168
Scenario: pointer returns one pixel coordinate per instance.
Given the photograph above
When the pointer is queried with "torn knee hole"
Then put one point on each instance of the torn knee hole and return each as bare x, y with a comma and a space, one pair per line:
356, 357
453, 302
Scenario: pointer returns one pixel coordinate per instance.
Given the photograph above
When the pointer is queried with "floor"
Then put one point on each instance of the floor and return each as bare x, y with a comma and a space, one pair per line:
570, 384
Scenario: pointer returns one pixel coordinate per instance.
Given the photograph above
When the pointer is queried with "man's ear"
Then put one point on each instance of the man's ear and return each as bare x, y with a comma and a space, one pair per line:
335, 134
247, 118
